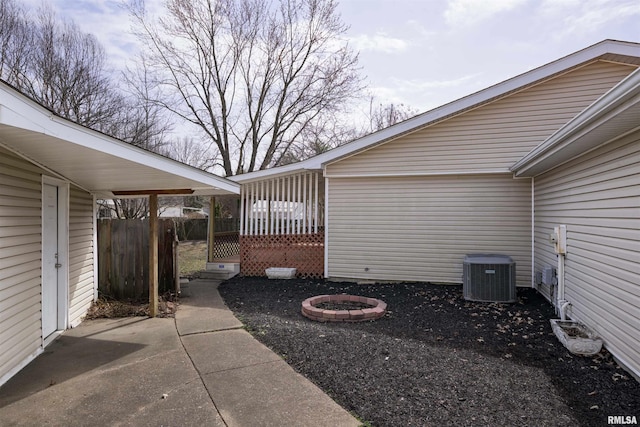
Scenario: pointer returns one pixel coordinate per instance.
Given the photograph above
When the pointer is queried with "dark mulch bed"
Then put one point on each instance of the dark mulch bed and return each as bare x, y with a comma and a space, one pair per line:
436, 359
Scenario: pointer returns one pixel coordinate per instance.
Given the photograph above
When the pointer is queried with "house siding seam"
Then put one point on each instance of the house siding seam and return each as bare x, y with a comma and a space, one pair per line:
493, 136
81, 251
20, 265
420, 228
597, 196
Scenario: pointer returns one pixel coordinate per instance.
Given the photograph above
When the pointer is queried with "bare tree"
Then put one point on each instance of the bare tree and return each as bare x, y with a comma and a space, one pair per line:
15, 40
384, 115
318, 139
191, 152
333, 133
66, 72
125, 208
252, 75
64, 69
144, 123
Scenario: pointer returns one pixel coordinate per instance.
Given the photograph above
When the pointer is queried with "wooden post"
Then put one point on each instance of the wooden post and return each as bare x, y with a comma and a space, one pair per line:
176, 260
212, 228
153, 255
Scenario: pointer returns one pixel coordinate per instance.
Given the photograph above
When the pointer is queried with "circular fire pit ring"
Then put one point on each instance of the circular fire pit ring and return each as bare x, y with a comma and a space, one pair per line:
371, 308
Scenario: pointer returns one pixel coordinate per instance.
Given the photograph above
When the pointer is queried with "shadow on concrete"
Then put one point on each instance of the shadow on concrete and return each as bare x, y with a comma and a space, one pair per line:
64, 359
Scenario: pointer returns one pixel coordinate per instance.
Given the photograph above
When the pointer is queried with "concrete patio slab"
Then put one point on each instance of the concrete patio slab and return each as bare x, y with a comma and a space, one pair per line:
203, 310
259, 389
224, 350
199, 369
126, 372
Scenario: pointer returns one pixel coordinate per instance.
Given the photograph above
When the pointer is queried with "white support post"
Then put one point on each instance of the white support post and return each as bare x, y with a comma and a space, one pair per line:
242, 212
304, 202
288, 205
278, 208
294, 223
315, 205
250, 207
262, 208
271, 205
256, 209
265, 208
298, 202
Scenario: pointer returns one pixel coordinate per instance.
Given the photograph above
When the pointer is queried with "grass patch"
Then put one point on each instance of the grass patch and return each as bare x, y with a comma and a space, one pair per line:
192, 257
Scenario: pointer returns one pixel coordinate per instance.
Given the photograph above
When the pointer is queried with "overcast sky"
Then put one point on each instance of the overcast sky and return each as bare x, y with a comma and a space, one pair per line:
424, 53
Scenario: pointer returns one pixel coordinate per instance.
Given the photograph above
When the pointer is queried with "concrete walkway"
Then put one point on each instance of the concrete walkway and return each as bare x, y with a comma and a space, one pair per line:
199, 369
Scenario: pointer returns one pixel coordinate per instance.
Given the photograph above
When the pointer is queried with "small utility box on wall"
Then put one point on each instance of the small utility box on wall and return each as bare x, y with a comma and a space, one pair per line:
559, 239
489, 278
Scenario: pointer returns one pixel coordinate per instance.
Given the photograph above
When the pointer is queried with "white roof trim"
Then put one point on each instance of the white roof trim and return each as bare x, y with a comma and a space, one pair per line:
308, 165
425, 173
37, 127
623, 100
590, 53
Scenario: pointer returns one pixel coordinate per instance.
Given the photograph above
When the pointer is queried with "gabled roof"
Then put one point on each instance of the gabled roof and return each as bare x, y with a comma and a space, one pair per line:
614, 114
93, 161
610, 50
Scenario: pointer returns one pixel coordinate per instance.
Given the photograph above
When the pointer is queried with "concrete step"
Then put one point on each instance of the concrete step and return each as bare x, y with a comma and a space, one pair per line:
220, 270
216, 275
233, 267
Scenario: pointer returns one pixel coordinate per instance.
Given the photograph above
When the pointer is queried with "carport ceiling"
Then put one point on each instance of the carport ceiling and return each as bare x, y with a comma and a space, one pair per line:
93, 161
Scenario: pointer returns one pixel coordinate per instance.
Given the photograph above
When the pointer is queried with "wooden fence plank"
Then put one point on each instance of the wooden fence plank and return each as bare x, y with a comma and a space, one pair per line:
123, 257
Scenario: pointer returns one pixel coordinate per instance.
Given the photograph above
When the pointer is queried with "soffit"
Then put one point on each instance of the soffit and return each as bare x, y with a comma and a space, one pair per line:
91, 160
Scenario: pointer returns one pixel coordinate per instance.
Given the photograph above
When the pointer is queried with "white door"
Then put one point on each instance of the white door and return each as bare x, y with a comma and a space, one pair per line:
50, 264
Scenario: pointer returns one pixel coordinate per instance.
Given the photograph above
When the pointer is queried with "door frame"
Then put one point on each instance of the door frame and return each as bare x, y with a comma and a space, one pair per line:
63, 256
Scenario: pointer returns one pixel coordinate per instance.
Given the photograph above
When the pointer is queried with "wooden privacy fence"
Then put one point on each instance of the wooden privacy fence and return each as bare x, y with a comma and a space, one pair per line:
198, 228
123, 257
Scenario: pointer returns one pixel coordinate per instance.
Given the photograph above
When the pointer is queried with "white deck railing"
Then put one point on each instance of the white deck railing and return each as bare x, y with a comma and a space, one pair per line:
283, 205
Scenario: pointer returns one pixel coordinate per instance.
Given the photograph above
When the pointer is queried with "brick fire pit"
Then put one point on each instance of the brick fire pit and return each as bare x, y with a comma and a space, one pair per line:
372, 308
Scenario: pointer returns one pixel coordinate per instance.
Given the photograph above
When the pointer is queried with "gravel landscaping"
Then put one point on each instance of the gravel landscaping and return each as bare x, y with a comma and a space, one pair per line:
435, 359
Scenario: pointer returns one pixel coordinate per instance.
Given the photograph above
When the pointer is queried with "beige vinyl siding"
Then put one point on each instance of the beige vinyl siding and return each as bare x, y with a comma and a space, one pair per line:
597, 196
420, 228
81, 279
20, 264
492, 137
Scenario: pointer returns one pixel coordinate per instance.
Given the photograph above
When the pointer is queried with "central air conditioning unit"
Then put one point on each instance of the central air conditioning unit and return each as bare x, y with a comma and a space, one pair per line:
489, 278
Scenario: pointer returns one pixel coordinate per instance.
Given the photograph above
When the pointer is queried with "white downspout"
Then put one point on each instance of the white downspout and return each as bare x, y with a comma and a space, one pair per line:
561, 304
533, 234
561, 249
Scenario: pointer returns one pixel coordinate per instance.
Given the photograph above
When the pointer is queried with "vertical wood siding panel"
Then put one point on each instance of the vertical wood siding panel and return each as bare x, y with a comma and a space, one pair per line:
494, 136
420, 228
597, 196
20, 266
